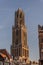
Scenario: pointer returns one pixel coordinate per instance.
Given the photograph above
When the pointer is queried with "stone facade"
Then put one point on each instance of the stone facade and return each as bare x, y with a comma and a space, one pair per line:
19, 47
40, 35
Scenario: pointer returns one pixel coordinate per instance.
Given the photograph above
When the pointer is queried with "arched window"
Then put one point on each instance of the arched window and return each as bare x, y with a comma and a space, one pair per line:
16, 32
16, 41
17, 15
20, 15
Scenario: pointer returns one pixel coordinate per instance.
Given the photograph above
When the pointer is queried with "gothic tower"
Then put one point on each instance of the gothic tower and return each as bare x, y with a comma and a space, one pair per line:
19, 47
40, 35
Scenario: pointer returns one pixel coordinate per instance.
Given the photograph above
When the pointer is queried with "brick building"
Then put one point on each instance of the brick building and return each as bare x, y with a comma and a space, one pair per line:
40, 36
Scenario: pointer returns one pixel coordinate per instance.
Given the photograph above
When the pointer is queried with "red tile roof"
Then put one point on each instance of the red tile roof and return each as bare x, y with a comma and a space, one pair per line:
4, 51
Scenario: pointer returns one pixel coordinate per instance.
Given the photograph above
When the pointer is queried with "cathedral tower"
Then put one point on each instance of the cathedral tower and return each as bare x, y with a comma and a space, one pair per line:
40, 35
19, 47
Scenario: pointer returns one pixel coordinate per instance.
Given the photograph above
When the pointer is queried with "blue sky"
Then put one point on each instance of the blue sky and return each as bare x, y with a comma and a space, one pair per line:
33, 10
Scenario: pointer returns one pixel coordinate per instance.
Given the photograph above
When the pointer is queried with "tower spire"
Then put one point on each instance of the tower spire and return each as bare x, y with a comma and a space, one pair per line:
19, 17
